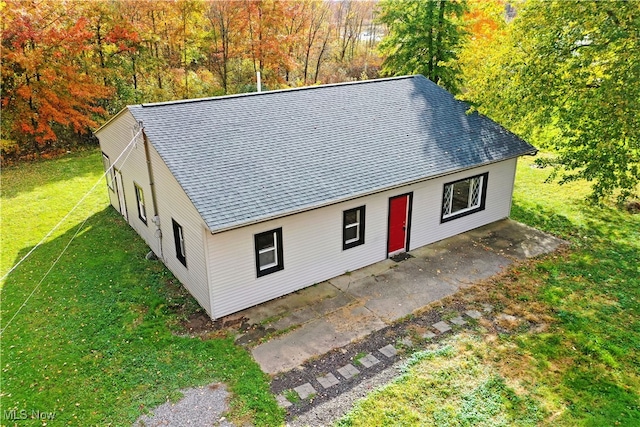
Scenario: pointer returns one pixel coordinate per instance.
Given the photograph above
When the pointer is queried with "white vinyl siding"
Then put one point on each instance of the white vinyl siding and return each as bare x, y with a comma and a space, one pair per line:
106, 163
133, 167
172, 202
234, 285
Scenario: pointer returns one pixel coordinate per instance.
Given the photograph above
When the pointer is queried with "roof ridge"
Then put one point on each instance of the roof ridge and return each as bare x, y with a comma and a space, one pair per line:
272, 92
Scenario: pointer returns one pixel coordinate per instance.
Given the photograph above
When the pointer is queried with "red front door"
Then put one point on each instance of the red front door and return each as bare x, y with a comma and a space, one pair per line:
398, 223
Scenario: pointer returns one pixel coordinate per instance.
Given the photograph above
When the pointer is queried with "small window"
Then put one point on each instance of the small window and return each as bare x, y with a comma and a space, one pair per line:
464, 197
106, 163
178, 237
352, 227
142, 210
268, 248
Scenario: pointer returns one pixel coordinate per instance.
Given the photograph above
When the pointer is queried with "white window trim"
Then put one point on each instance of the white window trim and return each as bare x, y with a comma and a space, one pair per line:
181, 241
142, 208
479, 180
106, 163
273, 248
357, 226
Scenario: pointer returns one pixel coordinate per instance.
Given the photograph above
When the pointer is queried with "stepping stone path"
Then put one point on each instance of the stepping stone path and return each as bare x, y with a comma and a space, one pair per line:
474, 314
283, 402
428, 335
305, 390
369, 360
407, 342
328, 380
348, 371
442, 326
389, 351
507, 317
458, 321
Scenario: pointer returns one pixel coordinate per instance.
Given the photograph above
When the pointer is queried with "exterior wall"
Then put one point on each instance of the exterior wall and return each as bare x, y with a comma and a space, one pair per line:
171, 201
312, 241
133, 167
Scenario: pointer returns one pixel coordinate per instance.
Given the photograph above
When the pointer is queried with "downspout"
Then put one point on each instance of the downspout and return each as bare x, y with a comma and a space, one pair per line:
156, 218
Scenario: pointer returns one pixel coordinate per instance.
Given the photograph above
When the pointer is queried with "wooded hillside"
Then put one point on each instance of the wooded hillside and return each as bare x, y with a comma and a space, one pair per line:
67, 65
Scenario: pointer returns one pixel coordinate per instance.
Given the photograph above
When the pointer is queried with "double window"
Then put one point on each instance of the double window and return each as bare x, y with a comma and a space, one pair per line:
353, 227
106, 163
268, 251
464, 197
178, 237
142, 210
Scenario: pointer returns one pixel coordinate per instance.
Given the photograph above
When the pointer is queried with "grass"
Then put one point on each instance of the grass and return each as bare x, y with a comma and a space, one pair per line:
579, 365
94, 344
456, 387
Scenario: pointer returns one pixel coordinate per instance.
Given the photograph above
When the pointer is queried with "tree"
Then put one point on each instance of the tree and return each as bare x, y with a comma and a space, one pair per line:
47, 82
424, 36
566, 76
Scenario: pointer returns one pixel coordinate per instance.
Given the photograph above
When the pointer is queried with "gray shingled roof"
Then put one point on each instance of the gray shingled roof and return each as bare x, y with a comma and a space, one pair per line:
247, 158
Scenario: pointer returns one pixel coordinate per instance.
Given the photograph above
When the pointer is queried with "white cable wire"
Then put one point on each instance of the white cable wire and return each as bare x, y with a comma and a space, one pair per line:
72, 237
72, 209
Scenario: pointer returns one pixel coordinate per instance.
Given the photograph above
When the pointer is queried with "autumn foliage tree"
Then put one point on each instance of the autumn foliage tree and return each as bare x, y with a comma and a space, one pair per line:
68, 65
46, 82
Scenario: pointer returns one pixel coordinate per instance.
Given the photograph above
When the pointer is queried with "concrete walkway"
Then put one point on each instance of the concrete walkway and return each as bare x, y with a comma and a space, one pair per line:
334, 313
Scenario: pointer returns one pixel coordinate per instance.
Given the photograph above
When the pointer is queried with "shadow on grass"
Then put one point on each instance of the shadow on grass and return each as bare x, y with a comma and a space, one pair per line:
93, 343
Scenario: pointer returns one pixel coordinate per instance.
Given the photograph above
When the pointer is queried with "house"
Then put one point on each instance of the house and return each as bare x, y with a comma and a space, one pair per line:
249, 197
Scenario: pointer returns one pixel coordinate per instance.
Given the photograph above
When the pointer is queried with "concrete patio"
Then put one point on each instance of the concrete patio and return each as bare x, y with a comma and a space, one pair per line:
331, 314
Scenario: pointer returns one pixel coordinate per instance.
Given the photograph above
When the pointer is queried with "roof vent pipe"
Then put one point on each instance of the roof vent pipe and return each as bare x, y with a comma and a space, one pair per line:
259, 81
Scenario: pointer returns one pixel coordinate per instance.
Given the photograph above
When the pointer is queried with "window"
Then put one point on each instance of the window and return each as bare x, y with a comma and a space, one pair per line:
464, 197
178, 237
106, 163
269, 252
352, 227
142, 211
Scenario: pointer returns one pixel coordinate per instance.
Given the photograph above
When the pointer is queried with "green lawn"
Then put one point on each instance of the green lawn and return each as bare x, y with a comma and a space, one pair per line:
581, 366
94, 344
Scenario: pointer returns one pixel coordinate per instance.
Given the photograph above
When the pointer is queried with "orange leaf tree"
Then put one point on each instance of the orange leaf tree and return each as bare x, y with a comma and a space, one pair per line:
48, 76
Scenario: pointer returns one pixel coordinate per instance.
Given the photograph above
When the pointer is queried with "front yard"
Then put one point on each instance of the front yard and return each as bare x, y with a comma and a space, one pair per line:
581, 366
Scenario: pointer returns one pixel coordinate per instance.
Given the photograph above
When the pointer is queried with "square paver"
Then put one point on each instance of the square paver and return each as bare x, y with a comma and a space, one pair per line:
348, 371
507, 317
388, 351
474, 314
283, 402
305, 390
407, 342
488, 308
428, 335
442, 326
369, 360
458, 321
328, 380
